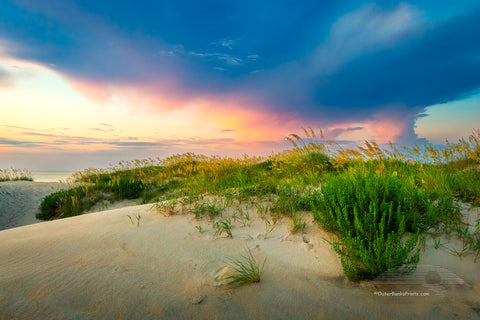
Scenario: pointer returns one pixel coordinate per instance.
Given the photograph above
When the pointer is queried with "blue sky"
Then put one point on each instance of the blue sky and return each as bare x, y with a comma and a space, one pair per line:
231, 77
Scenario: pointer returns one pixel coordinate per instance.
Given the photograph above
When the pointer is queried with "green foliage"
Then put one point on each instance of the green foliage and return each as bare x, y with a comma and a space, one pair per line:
370, 215
297, 223
130, 183
466, 184
68, 203
378, 201
223, 226
137, 218
75, 201
367, 192
125, 188
210, 208
244, 270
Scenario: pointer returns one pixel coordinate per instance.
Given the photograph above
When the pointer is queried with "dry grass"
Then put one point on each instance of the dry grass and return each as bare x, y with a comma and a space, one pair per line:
294, 182
12, 174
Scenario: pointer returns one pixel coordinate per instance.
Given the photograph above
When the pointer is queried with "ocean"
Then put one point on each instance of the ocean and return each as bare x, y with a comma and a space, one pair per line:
50, 176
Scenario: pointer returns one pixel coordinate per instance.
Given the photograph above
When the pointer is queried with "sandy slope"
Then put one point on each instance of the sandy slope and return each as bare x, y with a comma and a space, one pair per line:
19, 201
100, 266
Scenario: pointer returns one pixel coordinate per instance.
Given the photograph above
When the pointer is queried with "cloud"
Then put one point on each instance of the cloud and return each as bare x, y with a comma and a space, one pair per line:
5, 78
28, 144
376, 71
234, 61
227, 58
239, 59
102, 129
225, 42
437, 68
334, 133
18, 127
325, 63
365, 30
79, 142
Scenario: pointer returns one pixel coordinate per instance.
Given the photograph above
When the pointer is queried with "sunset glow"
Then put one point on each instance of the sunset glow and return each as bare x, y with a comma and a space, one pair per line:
112, 85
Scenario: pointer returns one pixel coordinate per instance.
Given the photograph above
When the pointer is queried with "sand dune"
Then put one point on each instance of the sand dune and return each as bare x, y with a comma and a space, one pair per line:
19, 201
101, 266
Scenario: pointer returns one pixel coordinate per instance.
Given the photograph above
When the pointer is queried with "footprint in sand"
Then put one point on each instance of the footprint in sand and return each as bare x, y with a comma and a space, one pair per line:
306, 244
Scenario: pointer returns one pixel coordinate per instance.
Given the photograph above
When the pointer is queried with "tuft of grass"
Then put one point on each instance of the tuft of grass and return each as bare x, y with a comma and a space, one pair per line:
437, 243
223, 226
269, 227
241, 215
137, 217
167, 207
297, 223
200, 229
245, 270
210, 208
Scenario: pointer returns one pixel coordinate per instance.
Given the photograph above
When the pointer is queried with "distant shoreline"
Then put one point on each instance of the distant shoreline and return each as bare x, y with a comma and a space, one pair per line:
50, 176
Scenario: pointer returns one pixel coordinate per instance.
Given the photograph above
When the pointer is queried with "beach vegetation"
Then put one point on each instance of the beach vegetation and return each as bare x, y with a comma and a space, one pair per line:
223, 226
298, 223
137, 218
12, 174
244, 270
269, 227
378, 201
200, 229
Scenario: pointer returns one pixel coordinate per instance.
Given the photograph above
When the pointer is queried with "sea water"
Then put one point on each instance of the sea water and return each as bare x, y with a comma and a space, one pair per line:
50, 176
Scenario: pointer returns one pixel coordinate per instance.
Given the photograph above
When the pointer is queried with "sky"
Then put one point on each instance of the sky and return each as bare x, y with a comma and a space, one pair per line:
89, 83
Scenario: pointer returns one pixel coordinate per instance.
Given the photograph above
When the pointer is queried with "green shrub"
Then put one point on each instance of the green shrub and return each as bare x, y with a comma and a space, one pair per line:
467, 185
49, 206
264, 165
370, 215
126, 188
68, 203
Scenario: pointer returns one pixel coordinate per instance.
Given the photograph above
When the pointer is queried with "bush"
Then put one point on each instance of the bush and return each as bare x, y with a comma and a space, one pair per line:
298, 161
66, 203
49, 205
370, 215
126, 188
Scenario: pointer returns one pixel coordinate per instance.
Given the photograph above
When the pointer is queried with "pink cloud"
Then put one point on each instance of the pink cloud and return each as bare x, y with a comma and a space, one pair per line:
94, 91
383, 127
246, 119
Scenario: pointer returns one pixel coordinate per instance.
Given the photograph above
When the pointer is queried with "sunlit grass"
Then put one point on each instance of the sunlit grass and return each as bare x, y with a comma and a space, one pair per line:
244, 270
13, 174
378, 201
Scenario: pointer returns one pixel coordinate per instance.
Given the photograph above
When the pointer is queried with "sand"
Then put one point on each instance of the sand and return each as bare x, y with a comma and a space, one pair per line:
101, 266
19, 201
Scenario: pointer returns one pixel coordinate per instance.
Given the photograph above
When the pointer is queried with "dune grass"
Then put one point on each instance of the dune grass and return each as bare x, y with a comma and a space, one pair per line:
379, 202
13, 174
244, 270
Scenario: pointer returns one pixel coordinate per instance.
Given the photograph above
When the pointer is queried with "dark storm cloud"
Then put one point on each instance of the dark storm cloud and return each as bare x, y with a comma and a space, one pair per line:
328, 61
